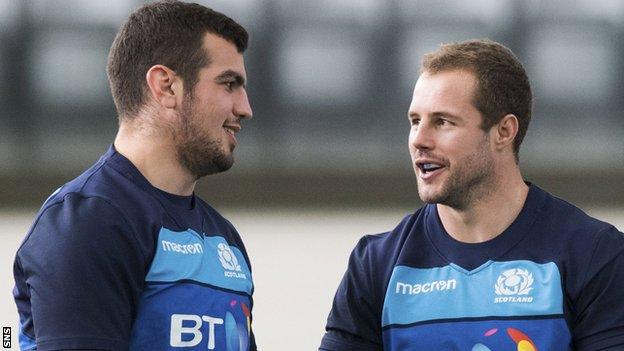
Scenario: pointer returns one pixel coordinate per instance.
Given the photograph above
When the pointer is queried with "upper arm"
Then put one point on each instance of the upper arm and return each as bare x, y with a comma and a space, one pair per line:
354, 322
599, 322
79, 275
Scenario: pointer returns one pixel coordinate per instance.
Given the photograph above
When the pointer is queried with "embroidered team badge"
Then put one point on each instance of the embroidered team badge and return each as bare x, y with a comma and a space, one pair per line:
227, 258
513, 285
514, 281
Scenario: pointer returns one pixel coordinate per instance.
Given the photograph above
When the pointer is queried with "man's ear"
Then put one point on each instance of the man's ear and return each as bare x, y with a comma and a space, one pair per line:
505, 132
164, 85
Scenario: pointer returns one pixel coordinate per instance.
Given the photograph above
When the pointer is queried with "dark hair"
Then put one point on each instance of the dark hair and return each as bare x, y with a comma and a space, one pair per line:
169, 33
503, 86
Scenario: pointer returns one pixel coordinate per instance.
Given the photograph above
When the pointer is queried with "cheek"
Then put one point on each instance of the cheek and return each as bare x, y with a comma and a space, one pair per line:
466, 148
412, 150
207, 119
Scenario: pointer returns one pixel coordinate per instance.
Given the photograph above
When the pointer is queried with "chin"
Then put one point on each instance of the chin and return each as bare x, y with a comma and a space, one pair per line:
206, 161
427, 196
430, 194
428, 199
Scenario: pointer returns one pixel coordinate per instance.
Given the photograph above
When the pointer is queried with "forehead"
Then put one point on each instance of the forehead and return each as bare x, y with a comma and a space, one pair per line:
450, 91
223, 55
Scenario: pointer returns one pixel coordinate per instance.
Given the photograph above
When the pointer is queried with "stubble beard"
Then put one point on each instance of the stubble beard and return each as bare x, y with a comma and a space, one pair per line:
197, 152
469, 182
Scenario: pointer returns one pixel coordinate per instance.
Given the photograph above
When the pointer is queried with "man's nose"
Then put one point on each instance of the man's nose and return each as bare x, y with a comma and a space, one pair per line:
242, 108
421, 137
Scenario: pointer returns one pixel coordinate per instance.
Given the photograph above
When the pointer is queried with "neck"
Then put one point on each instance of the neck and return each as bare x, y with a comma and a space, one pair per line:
487, 216
153, 154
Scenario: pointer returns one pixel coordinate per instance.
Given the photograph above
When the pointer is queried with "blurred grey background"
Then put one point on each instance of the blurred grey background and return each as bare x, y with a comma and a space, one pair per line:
330, 83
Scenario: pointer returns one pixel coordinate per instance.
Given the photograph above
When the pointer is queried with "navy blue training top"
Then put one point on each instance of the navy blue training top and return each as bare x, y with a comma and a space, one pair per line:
113, 263
554, 280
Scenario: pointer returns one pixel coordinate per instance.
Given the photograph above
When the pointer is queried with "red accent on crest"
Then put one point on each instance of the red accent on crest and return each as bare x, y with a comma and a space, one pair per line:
518, 336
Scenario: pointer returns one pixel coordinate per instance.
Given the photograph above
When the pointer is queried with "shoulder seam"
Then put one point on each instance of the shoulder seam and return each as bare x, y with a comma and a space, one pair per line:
91, 175
36, 221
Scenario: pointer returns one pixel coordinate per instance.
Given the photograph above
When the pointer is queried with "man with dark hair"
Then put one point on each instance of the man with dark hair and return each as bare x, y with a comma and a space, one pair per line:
126, 256
491, 262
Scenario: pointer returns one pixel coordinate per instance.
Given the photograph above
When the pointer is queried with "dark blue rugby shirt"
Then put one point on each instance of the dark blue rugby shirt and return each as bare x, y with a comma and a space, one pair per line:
113, 263
554, 280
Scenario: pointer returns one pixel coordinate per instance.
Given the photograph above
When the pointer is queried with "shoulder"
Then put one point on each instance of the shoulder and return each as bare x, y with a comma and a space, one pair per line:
74, 218
86, 210
375, 255
113, 195
582, 244
91, 197
568, 222
388, 244
568, 216
78, 236
78, 209
102, 182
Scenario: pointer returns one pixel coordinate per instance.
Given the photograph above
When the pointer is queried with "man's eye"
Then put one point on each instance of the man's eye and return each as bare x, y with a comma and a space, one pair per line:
414, 121
230, 85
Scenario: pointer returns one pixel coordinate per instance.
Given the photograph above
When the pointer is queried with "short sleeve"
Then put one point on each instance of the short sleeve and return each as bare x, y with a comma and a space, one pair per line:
79, 275
599, 323
354, 323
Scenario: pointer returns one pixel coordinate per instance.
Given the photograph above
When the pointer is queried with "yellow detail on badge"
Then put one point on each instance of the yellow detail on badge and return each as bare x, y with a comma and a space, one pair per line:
524, 345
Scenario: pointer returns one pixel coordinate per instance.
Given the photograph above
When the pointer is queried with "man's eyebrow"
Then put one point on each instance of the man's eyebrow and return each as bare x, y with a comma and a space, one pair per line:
445, 114
230, 74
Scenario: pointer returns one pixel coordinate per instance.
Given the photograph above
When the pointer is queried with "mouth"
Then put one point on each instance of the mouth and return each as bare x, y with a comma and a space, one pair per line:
429, 169
231, 130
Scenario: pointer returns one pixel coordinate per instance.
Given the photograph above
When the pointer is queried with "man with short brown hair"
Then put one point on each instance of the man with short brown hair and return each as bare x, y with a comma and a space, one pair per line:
491, 262
126, 256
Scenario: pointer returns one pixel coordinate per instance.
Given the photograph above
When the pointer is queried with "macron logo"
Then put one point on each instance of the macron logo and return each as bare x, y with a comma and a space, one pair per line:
415, 289
190, 249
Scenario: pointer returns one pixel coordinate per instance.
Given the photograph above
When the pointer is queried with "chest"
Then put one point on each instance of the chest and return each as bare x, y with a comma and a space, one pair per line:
500, 305
197, 294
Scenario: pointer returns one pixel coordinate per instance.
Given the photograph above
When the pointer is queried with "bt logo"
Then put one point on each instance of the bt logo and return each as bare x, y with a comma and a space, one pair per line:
177, 330
188, 330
